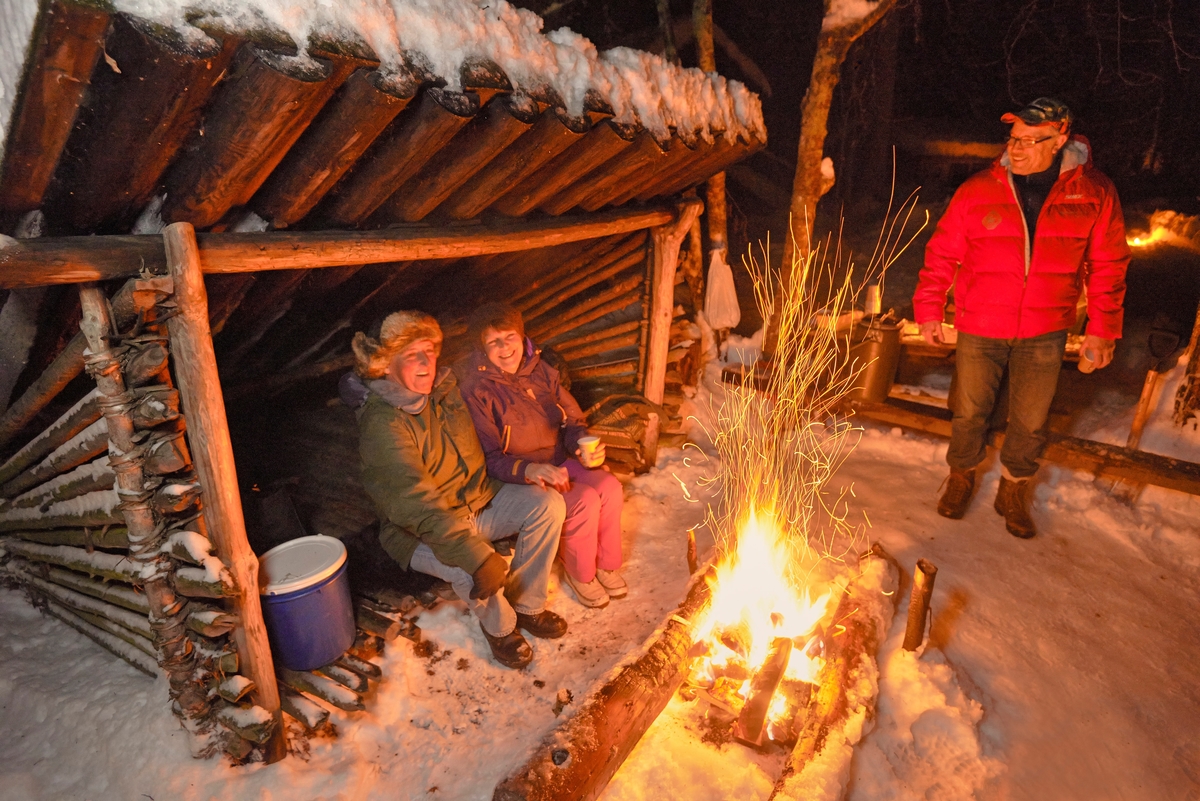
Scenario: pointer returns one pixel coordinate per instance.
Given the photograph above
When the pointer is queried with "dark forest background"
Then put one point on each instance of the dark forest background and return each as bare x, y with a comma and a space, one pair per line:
1130, 69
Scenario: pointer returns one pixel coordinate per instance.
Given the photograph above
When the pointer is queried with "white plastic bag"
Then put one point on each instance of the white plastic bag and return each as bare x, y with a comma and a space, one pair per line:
720, 298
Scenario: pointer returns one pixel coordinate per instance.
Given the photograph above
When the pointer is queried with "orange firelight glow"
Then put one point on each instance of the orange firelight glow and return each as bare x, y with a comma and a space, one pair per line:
1142, 239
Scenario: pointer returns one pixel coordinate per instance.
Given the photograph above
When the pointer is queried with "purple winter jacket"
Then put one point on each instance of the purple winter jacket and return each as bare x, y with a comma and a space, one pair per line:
520, 418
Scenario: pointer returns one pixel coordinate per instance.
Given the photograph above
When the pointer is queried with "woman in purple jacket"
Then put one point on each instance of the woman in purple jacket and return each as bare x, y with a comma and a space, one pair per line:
528, 426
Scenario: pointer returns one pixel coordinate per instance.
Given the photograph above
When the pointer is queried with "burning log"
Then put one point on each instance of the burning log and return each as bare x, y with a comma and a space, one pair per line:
578, 759
751, 723
837, 711
918, 605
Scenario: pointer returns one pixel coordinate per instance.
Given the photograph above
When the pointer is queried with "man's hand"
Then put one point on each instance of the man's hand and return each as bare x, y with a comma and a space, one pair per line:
1098, 349
933, 332
547, 475
489, 577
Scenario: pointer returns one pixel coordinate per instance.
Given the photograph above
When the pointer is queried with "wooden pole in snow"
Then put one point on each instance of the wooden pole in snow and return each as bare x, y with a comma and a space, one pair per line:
718, 227
666, 240
212, 455
918, 605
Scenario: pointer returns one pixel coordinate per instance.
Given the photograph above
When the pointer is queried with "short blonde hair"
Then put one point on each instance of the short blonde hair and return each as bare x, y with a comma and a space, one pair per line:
399, 330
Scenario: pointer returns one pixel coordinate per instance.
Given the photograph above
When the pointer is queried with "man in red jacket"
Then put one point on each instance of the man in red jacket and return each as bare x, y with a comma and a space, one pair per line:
1019, 242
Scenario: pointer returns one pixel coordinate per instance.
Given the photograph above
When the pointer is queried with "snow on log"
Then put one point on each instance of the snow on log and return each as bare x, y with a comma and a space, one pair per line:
97, 563
86, 478
201, 582
842, 707
102, 537
119, 594
234, 687
578, 759
326, 689
188, 546
309, 714
93, 509
83, 447
134, 656
85, 412
344, 676
251, 723
138, 624
210, 622
360, 666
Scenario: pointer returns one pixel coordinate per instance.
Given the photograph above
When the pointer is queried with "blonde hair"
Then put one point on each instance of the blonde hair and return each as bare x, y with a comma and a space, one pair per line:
399, 330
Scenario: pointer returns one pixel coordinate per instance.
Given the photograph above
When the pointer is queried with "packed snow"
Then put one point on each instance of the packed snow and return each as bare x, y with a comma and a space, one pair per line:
1065, 666
445, 34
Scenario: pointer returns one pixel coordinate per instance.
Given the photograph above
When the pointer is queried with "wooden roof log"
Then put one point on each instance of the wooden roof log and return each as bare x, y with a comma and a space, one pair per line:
645, 153
268, 300
62, 260
554, 132
258, 114
602, 143
681, 152
652, 184
90, 443
594, 257
495, 128
417, 134
334, 141
61, 67
618, 262
541, 328
665, 183
720, 160
136, 120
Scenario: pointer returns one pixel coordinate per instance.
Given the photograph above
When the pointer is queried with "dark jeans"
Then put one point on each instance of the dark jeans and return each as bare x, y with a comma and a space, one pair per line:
1033, 365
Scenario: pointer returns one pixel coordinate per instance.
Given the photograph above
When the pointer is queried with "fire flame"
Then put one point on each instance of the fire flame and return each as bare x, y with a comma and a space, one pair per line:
754, 602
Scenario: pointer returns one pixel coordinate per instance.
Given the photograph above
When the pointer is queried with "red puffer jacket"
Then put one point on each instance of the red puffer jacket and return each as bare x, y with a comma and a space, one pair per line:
1004, 288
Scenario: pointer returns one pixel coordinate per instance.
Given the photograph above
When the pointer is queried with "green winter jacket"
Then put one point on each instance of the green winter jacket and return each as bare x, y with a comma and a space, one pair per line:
427, 475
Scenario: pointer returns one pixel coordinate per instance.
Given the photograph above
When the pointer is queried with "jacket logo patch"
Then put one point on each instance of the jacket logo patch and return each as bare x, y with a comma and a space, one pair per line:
1074, 197
991, 220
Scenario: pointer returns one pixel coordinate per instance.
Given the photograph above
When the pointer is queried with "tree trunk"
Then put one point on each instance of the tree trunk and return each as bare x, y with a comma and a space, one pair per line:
718, 228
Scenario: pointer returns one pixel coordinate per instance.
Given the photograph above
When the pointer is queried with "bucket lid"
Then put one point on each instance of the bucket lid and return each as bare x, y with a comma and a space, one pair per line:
299, 563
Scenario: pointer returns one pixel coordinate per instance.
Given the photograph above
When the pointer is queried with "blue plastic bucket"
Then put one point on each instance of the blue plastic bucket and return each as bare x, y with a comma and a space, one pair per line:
306, 601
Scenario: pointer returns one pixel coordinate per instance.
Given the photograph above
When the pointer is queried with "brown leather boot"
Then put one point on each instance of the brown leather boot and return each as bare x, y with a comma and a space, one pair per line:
1012, 501
957, 497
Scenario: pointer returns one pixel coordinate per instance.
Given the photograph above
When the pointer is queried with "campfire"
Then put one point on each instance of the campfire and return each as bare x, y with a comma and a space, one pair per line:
758, 648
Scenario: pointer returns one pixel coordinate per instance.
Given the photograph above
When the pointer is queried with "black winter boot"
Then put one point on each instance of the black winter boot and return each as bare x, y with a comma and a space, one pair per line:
1012, 502
957, 497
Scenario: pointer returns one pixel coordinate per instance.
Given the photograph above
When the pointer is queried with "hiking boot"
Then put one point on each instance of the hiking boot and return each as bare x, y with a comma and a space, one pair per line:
1012, 502
612, 583
510, 650
544, 624
591, 594
957, 497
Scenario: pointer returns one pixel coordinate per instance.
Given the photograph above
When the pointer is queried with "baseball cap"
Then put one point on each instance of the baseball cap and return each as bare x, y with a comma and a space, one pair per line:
1043, 111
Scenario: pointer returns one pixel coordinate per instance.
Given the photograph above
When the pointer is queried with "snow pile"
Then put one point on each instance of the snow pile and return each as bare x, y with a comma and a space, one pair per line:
844, 13
925, 744
445, 34
18, 16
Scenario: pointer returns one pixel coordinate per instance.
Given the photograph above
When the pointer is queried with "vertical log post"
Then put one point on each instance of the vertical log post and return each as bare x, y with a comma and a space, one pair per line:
167, 618
718, 227
666, 240
212, 455
918, 605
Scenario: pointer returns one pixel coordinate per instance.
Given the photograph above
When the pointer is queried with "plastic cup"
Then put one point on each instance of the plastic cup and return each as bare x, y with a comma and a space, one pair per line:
587, 451
1086, 363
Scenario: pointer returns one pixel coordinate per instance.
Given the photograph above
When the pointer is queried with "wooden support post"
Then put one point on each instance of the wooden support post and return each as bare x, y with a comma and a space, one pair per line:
666, 240
212, 455
918, 605
175, 654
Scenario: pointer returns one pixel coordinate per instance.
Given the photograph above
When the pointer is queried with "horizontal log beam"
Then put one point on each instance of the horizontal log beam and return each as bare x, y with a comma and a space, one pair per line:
1107, 461
69, 260
105, 537
134, 656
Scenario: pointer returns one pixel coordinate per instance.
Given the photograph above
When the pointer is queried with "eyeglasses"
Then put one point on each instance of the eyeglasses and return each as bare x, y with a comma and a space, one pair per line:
1027, 141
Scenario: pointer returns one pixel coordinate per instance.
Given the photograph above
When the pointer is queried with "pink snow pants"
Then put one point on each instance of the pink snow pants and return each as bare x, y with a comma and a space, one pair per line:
591, 535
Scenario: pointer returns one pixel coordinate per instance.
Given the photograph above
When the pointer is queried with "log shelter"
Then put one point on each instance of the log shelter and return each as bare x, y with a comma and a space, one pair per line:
206, 226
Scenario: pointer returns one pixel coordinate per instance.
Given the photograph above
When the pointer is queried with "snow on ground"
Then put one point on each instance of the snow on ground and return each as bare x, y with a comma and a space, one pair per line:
1063, 667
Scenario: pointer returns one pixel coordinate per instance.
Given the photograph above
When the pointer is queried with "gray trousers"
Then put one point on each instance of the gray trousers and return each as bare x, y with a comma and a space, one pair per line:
536, 516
